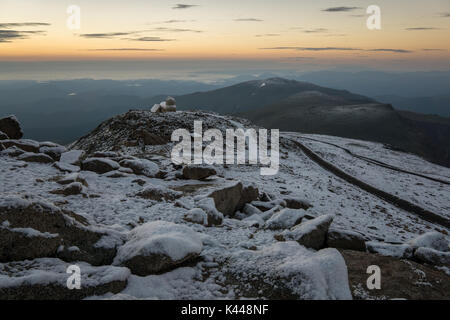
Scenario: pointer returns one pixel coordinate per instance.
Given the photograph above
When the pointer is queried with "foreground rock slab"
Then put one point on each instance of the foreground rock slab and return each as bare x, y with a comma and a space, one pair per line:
158, 246
46, 278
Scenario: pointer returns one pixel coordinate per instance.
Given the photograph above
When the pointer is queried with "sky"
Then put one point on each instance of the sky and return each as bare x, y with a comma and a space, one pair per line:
414, 33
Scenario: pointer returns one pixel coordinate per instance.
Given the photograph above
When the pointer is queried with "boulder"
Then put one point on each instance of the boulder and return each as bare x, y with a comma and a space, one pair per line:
285, 219
26, 243
214, 217
344, 239
72, 189
54, 152
228, 198
99, 165
47, 279
24, 144
3, 136
39, 218
35, 157
12, 151
311, 234
142, 167
433, 257
157, 247
250, 210
65, 167
249, 193
401, 251
73, 157
159, 193
71, 178
11, 127
196, 172
197, 216
288, 271
297, 203
107, 154
433, 240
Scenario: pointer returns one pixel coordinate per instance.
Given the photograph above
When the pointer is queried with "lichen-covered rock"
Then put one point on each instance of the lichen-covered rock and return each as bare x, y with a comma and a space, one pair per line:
158, 246
99, 165
311, 234
47, 279
11, 127
35, 157
345, 239
196, 172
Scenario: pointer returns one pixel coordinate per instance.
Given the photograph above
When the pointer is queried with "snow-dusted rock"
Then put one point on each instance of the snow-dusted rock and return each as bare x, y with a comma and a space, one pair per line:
286, 270
197, 215
227, 199
285, 219
71, 189
35, 157
433, 257
159, 193
196, 172
33, 213
26, 243
403, 251
66, 167
12, 151
99, 165
254, 221
297, 203
250, 210
71, 178
311, 234
54, 152
11, 127
72, 157
433, 240
345, 239
23, 144
47, 279
215, 217
141, 167
158, 246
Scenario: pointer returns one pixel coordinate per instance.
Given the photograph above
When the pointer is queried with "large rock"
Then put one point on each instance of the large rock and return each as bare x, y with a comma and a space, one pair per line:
227, 199
159, 193
433, 257
24, 144
249, 194
345, 239
11, 126
297, 203
158, 246
40, 219
401, 251
286, 270
142, 167
46, 279
285, 219
72, 157
35, 157
311, 234
433, 240
54, 152
71, 189
214, 217
99, 165
196, 172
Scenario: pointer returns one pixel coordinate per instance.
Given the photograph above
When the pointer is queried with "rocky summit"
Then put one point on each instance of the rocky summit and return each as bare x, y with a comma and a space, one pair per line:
139, 226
